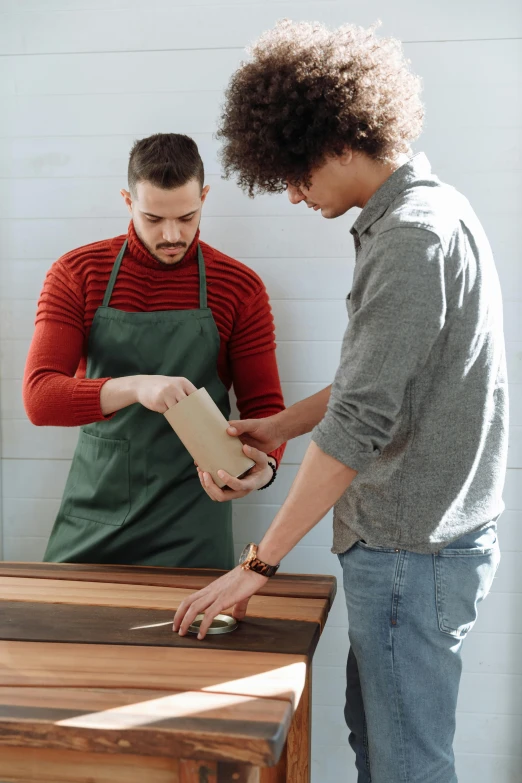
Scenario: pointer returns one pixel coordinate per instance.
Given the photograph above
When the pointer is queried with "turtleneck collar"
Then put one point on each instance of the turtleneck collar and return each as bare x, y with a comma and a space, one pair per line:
140, 253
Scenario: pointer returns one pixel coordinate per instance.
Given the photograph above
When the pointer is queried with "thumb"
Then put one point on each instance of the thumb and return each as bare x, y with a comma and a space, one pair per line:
240, 609
240, 427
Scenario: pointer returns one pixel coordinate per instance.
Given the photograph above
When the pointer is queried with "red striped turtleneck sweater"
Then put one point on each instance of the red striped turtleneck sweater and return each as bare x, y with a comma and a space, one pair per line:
55, 389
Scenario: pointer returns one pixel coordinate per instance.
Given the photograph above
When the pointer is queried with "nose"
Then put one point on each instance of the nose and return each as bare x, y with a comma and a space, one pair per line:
294, 194
171, 232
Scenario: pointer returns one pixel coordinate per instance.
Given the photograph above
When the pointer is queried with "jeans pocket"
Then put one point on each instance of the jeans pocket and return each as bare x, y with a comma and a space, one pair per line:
463, 577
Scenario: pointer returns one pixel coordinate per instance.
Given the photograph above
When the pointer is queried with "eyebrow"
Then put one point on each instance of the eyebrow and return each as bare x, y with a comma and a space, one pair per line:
160, 217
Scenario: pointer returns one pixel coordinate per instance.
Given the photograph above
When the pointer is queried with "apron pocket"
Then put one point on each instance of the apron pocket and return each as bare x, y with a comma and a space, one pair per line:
98, 487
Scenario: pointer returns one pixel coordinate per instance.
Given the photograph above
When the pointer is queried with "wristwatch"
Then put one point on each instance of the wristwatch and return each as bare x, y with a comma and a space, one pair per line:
249, 561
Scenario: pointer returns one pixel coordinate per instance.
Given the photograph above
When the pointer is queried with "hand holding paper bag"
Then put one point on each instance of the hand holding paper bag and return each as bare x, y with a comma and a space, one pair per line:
202, 429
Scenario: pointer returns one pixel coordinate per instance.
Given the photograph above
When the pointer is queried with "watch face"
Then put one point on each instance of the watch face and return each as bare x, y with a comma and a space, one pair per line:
245, 554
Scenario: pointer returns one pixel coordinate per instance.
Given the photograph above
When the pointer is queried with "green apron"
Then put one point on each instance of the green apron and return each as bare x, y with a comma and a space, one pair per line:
133, 494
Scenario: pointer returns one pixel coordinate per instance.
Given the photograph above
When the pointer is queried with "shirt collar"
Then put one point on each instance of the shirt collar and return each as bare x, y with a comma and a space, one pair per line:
402, 178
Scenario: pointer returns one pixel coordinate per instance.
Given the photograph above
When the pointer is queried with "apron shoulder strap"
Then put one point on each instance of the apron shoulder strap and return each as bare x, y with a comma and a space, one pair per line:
202, 280
114, 275
116, 269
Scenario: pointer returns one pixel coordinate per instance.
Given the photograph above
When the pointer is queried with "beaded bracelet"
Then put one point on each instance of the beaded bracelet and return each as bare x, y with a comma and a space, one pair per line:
274, 474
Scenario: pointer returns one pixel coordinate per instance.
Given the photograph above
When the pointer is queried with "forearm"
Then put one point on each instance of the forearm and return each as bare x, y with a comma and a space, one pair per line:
320, 482
304, 415
118, 393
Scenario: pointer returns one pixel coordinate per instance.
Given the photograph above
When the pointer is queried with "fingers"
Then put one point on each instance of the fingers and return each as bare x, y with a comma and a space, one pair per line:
233, 483
189, 610
212, 611
177, 390
188, 387
259, 457
240, 609
215, 492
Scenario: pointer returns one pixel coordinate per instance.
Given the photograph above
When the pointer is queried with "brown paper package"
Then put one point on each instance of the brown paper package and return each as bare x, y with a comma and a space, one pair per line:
202, 428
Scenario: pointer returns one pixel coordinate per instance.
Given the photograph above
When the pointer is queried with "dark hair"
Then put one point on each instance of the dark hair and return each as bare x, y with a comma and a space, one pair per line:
308, 93
167, 160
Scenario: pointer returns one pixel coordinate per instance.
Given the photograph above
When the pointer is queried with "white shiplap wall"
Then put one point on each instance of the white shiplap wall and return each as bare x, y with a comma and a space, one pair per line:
78, 83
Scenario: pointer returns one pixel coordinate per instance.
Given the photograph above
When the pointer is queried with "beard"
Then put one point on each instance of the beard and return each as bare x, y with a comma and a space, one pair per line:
183, 246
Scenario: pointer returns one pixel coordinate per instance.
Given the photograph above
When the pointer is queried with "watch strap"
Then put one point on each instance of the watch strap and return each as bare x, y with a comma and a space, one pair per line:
264, 569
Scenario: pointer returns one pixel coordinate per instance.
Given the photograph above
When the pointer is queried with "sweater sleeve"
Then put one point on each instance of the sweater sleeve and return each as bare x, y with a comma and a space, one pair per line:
253, 364
51, 393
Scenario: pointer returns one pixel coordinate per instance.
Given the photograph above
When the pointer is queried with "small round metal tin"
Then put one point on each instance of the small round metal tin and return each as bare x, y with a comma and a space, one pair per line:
222, 623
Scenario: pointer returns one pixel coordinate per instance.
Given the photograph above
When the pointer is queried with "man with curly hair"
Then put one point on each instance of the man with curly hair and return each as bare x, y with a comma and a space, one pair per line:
409, 444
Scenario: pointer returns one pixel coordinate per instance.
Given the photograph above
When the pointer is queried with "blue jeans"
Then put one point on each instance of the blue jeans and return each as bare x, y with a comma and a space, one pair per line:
408, 615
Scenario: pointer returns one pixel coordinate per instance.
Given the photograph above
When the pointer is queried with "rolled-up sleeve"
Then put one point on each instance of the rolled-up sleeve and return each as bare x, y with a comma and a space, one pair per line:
398, 311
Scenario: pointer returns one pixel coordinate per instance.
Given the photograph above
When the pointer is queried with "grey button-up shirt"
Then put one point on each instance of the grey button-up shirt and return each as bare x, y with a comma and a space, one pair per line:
419, 402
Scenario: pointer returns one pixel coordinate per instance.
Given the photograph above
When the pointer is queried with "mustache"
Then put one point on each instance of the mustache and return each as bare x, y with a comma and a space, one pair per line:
168, 246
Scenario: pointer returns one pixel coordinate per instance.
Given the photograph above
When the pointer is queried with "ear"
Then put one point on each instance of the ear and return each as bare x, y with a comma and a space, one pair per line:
126, 196
204, 193
346, 157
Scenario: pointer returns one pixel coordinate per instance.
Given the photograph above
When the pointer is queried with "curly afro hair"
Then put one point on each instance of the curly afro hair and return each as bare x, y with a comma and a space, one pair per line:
308, 93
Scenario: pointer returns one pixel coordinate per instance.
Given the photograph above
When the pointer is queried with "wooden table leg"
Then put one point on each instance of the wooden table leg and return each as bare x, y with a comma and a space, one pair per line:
299, 744
275, 774
295, 763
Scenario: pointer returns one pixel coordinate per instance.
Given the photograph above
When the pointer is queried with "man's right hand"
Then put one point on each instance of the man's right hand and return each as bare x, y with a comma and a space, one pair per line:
155, 392
263, 434
160, 392
270, 433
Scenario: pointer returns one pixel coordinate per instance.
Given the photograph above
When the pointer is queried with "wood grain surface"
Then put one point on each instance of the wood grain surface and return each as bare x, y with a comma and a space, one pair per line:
52, 766
95, 686
35, 622
147, 722
56, 591
284, 585
43, 664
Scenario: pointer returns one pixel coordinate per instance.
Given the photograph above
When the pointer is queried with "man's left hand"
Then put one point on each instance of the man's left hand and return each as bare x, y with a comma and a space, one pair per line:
235, 488
231, 590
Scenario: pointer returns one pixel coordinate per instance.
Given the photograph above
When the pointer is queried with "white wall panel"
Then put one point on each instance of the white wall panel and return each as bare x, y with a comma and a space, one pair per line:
69, 115
515, 447
23, 441
81, 155
493, 653
119, 73
34, 478
473, 767
24, 549
29, 517
188, 27
12, 358
301, 361
510, 532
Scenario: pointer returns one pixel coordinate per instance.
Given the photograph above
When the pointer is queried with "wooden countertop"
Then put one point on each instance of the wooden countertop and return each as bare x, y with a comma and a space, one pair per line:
90, 668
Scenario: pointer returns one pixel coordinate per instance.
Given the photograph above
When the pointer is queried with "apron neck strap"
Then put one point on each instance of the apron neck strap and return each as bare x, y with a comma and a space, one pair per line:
114, 274
116, 269
202, 280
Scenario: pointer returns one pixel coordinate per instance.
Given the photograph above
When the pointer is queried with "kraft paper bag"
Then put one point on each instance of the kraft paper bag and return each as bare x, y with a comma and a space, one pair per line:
202, 428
